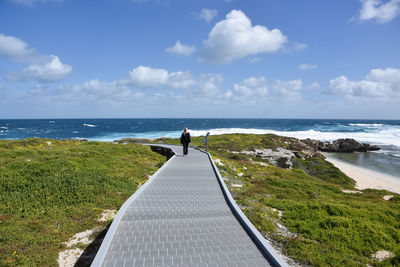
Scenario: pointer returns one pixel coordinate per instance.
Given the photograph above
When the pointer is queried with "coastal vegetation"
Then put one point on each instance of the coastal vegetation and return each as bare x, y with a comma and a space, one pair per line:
50, 190
312, 212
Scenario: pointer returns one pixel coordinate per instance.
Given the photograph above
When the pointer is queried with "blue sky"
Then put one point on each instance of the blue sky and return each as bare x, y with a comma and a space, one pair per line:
198, 58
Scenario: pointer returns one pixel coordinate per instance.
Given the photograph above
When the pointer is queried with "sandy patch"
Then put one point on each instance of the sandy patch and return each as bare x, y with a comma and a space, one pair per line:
387, 197
69, 257
366, 178
107, 215
80, 238
381, 255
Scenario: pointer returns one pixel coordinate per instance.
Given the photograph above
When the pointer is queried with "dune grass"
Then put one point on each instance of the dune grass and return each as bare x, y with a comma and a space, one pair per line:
325, 226
50, 190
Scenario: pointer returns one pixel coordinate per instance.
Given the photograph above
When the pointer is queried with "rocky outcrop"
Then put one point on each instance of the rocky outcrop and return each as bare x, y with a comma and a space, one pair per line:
280, 157
346, 145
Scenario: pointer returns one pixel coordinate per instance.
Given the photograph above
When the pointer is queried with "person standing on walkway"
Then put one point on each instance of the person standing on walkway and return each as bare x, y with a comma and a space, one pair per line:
185, 140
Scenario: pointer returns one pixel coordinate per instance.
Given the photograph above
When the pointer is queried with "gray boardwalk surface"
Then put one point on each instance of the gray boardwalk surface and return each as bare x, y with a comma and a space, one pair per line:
181, 219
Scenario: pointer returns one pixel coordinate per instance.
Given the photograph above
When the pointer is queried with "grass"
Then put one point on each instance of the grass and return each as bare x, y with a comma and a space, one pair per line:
326, 227
50, 190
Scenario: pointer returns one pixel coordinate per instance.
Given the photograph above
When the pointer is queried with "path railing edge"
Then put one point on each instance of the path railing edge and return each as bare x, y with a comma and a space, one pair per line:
268, 251
105, 245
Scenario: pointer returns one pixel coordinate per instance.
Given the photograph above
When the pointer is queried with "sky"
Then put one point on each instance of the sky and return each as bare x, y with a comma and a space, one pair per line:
332, 59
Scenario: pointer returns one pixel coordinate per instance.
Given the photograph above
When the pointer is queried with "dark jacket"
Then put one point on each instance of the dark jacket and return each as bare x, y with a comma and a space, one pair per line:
185, 138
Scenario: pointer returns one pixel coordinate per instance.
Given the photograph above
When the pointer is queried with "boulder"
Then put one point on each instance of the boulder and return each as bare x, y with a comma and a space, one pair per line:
280, 157
345, 145
318, 155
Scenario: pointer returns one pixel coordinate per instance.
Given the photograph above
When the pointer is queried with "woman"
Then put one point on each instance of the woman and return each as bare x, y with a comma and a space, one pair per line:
185, 140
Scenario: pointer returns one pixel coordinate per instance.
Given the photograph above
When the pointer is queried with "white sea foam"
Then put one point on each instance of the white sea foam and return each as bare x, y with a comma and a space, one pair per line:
89, 125
384, 136
366, 124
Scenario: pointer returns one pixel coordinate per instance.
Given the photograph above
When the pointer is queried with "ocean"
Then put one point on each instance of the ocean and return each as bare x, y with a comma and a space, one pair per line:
385, 133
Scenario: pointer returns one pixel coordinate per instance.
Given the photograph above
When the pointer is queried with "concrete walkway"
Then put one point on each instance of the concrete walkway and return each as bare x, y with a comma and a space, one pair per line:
180, 217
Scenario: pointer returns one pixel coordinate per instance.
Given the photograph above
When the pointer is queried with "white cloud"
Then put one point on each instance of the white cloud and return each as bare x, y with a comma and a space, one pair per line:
307, 67
208, 14
181, 49
253, 60
253, 86
208, 85
44, 68
33, 2
297, 46
143, 77
14, 48
256, 89
51, 70
314, 85
378, 83
379, 11
235, 37
288, 90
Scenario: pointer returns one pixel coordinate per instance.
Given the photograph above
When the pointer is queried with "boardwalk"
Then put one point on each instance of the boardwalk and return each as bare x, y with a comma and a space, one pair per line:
180, 218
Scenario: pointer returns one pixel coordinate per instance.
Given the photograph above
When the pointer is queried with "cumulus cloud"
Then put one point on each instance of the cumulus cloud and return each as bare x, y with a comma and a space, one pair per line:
288, 90
314, 85
253, 86
181, 49
297, 46
378, 10
235, 37
44, 68
144, 77
209, 84
208, 14
256, 89
378, 83
307, 67
14, 48
51, 70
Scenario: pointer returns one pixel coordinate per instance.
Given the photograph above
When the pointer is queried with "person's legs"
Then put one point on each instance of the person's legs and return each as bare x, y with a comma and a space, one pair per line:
185, 148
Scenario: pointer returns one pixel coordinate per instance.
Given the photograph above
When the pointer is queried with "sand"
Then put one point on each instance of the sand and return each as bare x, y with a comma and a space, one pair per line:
366, 178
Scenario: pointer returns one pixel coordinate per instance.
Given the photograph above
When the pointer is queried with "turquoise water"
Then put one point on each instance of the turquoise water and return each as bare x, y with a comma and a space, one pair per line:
376, 161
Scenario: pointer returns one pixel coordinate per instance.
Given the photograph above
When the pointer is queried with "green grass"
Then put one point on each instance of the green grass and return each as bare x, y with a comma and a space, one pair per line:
49, 192
69, 183
330, 227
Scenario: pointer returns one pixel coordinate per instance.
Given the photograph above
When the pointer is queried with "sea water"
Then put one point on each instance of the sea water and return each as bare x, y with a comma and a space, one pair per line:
385, 133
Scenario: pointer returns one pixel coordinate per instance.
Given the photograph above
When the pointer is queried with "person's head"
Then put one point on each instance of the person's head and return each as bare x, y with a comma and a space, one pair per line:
185, 129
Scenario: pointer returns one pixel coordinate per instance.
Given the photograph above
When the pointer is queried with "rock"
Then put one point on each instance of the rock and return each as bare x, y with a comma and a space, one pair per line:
345, 145
381, 255
387, 197
318, 155
374, 148
280, 157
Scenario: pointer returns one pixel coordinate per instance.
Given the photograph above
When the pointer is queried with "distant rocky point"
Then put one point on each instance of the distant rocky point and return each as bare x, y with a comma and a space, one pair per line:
346, 145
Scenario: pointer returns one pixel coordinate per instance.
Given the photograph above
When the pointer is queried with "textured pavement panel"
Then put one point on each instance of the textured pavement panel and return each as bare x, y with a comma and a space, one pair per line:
182, 219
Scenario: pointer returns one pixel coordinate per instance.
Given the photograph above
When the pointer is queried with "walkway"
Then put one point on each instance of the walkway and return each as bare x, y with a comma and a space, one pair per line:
180, 217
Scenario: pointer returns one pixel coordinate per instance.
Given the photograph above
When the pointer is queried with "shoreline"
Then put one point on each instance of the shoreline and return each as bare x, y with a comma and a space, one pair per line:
366, 178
